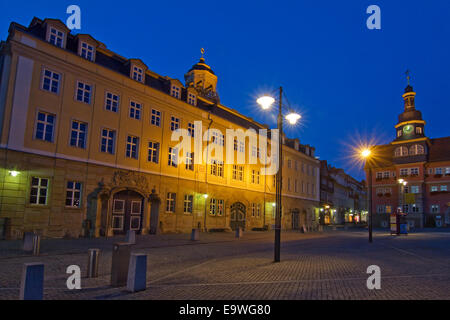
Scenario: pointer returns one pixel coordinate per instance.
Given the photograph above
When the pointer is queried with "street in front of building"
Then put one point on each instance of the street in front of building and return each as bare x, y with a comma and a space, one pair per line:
317, 265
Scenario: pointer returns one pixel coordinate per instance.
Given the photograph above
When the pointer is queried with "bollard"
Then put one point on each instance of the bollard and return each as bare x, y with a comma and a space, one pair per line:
28, 241
320, 228
131, 237
137, 272
36, 244
119, 264
195, 234
32, 284
93, 261
239, 232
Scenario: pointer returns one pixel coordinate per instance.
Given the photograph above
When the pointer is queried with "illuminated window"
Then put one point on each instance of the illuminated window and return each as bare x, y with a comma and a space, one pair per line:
190, 161
401, 151
416, 149
153, 152
419, 130
173, 157
255, 176
238, 172
108, 141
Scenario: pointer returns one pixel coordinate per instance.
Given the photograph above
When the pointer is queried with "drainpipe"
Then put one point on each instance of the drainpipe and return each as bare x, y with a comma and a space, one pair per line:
206, 167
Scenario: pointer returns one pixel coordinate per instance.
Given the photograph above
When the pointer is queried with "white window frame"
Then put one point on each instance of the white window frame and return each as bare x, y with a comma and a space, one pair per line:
51, 79
134, 143
38, 187
175, 91
171, 202
153, 148
108, 139
173, 157
137, 73
188, 204
83, 91
78, 132
46, 123
192, 99
87, 51
58, 35
155, 118
111, 102
135, 110
174, 123
73, 191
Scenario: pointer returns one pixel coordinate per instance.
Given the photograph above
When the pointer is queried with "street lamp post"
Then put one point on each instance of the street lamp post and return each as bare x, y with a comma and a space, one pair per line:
366, 155
292, 117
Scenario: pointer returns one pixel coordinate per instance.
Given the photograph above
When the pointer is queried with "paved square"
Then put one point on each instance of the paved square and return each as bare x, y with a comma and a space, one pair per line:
329, 265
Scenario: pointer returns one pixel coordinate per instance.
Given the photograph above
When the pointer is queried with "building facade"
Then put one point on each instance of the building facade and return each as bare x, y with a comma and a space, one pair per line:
412, 173
343, 198
88, 148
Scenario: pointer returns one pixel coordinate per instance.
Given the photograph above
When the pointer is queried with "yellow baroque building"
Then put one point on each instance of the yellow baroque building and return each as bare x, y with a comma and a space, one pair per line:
86, 146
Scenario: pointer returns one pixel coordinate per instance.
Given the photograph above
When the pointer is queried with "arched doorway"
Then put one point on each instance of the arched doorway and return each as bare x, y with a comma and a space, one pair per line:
238, 215
127, 212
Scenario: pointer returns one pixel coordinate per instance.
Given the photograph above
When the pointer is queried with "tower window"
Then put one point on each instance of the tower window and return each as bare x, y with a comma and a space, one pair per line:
419, 130
175, 92
399, 133
401, 151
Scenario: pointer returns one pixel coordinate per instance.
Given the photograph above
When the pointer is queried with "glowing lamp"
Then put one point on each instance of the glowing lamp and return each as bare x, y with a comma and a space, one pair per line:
265, 102
293, 117
366, 153
14, 173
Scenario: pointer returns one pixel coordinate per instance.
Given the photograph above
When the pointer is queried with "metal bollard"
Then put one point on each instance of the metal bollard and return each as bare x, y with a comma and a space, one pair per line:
239, 232
32, 284
119, 265
137, 272
36, 244
93, 260
28, 241
195, 234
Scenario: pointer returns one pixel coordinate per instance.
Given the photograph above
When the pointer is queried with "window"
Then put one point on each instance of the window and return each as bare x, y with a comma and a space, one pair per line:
173, 155
192, 99
419, 130
435, 208
295, 185
216, 168
404, 172
132, 147
135, 110
415, 189
174, 123
434, 188
84, 92
217, 138
289, 163
216, 207
386, 174
45, 126
399, 133
191, 129
255, 176
175, 92
188, 200
108, 141
438, 171
56, 37
416, 149
87, 51
238, 172
415, 208
170, 202
447, 171
73, 194
405, 208
443, 188
401, 151
78, 134
156, 118
190, 161
153, 152
39, 191
137, 74
379, 175
414, 171
111, 102
50, 81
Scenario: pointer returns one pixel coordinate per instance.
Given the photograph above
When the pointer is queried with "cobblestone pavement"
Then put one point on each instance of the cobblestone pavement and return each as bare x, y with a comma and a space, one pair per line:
329, 265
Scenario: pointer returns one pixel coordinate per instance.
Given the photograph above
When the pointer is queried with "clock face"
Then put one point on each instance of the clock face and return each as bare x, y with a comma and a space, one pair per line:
408, 129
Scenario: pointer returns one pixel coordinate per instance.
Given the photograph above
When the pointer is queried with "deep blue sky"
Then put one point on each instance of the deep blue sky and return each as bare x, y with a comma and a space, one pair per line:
346, 80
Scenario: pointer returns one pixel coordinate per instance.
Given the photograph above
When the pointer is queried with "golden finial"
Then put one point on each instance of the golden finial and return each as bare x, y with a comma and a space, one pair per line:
408, 77
202, 52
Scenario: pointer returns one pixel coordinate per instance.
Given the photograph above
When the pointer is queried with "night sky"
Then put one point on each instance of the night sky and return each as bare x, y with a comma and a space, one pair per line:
346, 80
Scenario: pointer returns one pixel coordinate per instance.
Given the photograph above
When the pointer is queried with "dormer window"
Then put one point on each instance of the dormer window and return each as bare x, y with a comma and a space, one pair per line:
192, 99
56, 37
137, 74
175, 92
87, 51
